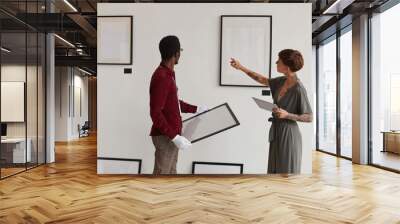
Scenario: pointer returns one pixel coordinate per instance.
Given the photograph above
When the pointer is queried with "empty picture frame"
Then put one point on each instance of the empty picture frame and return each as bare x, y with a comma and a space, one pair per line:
107, 165
247, 38
216, 168
209, 123
114, 42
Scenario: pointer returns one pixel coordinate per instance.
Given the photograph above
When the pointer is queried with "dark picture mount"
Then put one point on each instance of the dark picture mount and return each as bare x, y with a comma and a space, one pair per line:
221, 36
130, 44
124, 159
194, 163
237, 123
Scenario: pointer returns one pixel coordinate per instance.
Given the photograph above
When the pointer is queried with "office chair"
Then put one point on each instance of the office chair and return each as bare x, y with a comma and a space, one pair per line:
84, 130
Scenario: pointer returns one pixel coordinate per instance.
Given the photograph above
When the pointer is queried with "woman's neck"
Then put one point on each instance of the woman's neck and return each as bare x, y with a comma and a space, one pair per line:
291, 77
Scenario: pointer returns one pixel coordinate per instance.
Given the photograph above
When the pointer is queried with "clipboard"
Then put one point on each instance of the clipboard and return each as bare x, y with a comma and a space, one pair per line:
265, 105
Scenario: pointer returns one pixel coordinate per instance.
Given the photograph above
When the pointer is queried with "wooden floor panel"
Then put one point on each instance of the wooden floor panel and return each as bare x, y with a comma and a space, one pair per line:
70, 191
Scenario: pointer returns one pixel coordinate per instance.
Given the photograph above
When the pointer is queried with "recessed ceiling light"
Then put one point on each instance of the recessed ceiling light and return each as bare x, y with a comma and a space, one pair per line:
70, 5
337, 7
64, 40
84, 71
5, 50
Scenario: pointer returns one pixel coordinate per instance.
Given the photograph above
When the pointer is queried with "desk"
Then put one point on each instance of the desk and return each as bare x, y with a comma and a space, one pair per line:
13, 150
391, 141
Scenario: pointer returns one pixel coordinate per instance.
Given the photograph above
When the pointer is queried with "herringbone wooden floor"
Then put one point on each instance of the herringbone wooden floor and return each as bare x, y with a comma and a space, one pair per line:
69, 191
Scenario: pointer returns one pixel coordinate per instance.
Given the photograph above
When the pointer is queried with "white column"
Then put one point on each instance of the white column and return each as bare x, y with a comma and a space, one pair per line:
360, 90
50, 110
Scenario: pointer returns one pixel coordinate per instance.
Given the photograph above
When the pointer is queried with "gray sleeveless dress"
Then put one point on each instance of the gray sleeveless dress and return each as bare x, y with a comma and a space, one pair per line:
285, 149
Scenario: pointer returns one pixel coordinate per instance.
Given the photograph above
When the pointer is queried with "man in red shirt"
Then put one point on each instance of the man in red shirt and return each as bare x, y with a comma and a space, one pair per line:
165, 108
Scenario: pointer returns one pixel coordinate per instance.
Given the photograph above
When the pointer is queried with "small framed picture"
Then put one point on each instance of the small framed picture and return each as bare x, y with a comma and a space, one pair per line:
114, 40
247, 38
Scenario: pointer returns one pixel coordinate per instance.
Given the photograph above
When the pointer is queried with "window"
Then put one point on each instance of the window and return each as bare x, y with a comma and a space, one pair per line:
327, 97
385, 89
346, 93
335, 74
22, 77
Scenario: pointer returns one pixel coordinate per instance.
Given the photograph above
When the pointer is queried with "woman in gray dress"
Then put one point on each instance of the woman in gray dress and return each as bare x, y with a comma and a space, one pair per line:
290, 96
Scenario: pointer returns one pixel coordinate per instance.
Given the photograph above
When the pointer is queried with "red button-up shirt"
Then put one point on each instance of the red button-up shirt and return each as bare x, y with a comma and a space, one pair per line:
164, 108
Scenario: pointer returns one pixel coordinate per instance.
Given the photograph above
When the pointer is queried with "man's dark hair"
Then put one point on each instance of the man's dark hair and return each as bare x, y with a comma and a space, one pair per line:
169, 46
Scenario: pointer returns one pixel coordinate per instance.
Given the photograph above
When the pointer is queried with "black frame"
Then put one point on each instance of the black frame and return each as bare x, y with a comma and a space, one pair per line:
194, 163
335, 37
222, 130
124, 159
131, 42
220, 49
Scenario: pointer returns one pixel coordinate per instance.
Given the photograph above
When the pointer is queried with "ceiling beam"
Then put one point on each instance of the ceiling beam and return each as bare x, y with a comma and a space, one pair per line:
82, 61
84, 24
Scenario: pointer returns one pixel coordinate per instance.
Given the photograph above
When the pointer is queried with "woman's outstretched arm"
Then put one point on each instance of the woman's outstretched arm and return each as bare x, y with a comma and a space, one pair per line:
254, 75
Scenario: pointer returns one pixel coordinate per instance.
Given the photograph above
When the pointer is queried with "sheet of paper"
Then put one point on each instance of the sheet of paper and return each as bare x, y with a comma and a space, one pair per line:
264, 104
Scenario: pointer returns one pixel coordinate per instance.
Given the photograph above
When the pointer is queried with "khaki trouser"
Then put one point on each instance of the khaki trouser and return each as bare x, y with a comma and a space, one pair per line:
166, 155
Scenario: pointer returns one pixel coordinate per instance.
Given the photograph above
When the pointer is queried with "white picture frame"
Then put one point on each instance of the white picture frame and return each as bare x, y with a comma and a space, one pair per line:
13, 101
247, 38
114, 35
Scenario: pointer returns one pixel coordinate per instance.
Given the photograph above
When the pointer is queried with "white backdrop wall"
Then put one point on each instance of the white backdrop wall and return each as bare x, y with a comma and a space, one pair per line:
123, 99
81, 108
67, 120
62, 103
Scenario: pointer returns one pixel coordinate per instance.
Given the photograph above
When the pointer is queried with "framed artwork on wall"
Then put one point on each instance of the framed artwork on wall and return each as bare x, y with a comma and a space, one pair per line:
114, 35
247, 38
